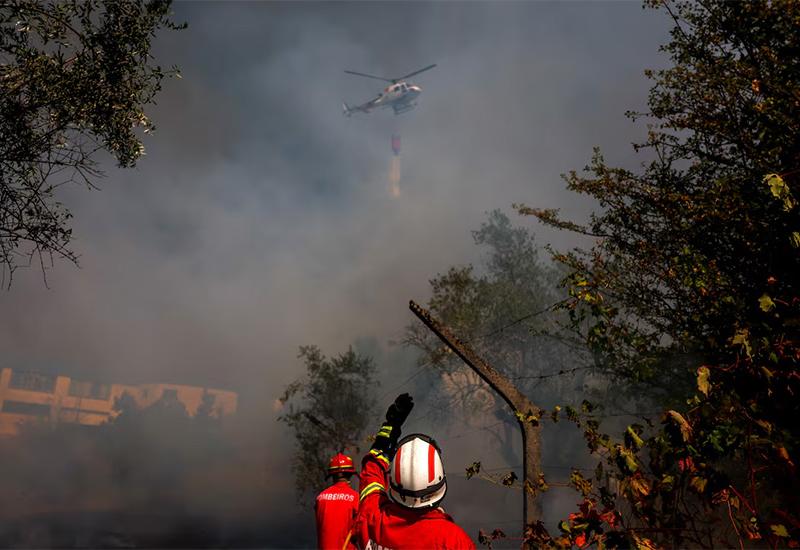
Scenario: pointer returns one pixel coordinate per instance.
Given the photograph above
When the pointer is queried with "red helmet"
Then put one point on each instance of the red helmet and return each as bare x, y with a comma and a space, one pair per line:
341, 464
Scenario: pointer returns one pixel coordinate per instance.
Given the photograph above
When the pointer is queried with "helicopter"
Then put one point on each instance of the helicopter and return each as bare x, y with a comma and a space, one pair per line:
399, 95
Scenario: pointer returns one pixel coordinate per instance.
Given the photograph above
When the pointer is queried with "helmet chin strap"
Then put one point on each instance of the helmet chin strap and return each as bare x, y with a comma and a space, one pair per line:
421, 493
416, 478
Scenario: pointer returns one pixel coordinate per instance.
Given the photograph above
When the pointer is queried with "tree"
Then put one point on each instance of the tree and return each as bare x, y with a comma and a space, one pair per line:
75, 78
692, 285
503, 310
499, 314
329, 410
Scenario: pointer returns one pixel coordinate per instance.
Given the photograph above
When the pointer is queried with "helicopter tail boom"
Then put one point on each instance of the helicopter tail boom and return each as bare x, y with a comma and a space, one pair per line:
348, 110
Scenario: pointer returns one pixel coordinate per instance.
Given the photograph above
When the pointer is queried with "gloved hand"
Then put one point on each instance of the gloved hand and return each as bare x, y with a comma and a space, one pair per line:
389, 434
399, 410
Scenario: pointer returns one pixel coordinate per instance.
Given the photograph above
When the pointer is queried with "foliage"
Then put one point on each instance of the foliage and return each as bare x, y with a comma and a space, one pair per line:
503, 310
692, 289
329, 411
75, 78
487, 538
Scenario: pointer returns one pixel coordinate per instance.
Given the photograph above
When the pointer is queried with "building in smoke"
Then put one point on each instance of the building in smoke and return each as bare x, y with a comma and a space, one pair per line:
29, 397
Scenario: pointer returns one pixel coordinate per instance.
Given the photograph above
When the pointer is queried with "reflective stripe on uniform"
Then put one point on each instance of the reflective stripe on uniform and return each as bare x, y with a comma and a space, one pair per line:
380, 456
371, 488
385, 431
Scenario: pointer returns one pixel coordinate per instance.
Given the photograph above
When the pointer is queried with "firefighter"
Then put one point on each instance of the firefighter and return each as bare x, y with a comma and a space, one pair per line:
336, 506
402, 485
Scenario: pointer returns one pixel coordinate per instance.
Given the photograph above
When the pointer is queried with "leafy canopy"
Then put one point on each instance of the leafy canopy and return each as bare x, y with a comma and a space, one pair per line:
75, 78
500, 307
328, 410
692, 285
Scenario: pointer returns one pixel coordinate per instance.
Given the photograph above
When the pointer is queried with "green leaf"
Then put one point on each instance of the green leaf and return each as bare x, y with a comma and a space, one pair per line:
628, 459
530, 417
640, 486
766, 303
779, 530
580, 526
572, 414
702, 380
680, 421
642, 543
780, 190
474, 469
509, 479
632, 438
742, 338
541, 483
583, 485
698, 483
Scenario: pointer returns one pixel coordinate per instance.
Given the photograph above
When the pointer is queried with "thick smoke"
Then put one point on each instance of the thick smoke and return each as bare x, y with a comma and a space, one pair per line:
259, 220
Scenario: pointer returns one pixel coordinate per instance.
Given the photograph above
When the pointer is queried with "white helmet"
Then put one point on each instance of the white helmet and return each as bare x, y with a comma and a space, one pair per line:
416, 476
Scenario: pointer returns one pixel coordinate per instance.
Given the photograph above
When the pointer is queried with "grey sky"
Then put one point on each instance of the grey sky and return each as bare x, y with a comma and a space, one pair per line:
260, 218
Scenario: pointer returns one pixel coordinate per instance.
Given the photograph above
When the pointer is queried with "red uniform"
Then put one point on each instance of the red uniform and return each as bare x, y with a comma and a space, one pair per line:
336, 509
388, 525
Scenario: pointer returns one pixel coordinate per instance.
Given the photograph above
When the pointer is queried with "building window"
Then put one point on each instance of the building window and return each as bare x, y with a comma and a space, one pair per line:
169, 395
91, 390
32, 381
29, 409
79, 389
72, 414
101, 391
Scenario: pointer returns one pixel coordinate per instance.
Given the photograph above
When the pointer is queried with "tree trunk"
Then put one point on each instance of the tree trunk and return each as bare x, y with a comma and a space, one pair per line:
526, 412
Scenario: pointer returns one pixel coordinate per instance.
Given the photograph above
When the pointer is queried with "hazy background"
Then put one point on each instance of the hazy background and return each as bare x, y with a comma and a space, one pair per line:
261, 219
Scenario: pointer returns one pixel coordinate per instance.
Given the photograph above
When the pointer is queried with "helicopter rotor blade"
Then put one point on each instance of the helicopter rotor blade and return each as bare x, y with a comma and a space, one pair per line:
429, 67
370, 76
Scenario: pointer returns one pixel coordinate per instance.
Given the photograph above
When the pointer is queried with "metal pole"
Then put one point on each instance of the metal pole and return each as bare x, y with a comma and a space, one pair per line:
520, 405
